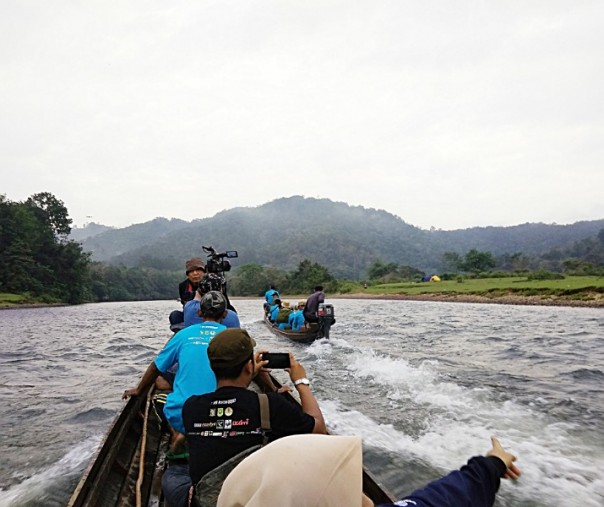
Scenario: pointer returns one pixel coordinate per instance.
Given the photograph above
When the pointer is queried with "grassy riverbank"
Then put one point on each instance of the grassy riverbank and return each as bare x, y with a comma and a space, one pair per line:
570, 291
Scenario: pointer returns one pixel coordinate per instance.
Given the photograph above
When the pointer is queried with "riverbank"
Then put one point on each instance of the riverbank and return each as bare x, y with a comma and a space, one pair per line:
588, 299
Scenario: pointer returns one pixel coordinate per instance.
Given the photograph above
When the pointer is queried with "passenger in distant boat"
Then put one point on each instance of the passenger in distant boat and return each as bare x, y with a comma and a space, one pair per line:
188, 348
270, 295
209, 282
296, 319
328, 471
194, 269
312, 304
228, 421
282, 319
274, 310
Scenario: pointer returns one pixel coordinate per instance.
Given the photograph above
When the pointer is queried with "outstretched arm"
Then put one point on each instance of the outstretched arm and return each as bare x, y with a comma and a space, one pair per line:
474, 485
151, 373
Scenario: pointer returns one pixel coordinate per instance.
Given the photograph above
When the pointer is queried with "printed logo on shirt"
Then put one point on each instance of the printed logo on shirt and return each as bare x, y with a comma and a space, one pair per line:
212, 412
228, 411
227, 424
230, 401
220, 425
220, 412
204, 425
241, 422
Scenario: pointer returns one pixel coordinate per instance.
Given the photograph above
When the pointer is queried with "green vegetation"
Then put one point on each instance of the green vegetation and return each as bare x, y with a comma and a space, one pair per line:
569, 286
40, 264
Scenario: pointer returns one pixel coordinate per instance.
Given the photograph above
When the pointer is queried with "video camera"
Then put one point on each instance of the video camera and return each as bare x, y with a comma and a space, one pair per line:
218, 262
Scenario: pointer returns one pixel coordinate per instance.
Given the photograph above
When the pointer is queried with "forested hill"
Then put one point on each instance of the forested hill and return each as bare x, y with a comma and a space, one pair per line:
346, 239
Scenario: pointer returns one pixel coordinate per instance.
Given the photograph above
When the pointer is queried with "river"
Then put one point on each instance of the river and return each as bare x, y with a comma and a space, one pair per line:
425, 384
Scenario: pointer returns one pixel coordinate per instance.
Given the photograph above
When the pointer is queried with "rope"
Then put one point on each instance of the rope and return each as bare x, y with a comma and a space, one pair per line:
141, 464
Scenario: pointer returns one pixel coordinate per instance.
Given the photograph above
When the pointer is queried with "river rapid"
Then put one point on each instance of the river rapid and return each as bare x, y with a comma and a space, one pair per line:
424, 383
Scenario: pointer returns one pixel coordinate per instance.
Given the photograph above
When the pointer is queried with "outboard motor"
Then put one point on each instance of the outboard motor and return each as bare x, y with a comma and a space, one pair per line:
327, 318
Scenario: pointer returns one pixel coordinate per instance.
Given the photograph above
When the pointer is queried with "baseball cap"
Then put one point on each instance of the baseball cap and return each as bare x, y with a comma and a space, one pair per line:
230, 348
212, 304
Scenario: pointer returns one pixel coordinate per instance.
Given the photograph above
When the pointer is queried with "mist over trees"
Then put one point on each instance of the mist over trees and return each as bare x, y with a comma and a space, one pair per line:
294, 243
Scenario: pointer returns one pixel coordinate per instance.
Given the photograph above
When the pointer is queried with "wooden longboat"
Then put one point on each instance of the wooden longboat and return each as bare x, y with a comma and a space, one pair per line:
128, 466
309, 335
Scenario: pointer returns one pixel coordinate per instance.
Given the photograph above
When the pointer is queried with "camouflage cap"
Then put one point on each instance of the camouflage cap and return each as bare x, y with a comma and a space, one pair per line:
213, 304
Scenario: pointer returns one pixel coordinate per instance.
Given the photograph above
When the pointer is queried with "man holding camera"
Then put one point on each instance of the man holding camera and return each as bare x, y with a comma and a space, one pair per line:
194, 270
222, 424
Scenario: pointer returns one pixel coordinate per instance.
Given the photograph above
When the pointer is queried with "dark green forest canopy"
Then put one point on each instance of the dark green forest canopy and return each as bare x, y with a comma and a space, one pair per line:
295, 243
35, 255
345, 239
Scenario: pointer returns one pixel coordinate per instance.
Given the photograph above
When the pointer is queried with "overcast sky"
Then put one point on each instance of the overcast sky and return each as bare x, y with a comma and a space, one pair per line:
447, 114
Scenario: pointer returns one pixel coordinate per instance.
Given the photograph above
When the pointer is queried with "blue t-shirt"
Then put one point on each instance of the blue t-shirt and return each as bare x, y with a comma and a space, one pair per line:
274, 312
188, 348
296, 320
192, 317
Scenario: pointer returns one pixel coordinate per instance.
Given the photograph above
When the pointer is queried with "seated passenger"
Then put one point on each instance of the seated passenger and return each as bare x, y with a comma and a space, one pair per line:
211, 419
328, 471
296, 319
194, 270
188, 348
274, 310
209, 282
283, 315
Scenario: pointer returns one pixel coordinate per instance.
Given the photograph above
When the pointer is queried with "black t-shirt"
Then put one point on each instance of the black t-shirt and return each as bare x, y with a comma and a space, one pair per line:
224, 423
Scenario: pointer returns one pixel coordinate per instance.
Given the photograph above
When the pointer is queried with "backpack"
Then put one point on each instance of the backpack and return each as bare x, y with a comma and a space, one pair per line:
283, 315
208, 488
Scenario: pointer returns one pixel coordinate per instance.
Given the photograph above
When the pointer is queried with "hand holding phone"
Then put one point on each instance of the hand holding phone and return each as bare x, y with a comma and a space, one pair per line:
276, 359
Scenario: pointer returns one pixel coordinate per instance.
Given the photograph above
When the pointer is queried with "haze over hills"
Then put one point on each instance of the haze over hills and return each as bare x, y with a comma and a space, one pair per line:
346, 239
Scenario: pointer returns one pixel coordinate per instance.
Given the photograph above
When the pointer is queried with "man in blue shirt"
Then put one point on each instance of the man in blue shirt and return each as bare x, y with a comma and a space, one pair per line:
188, 349
209, 282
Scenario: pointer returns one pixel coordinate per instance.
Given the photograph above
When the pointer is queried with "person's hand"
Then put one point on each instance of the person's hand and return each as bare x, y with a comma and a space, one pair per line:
296, 370
284, 389
130, 393
259, 363
512, 471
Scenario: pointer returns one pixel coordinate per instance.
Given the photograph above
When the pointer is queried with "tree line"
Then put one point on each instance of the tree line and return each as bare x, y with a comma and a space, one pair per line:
39, 261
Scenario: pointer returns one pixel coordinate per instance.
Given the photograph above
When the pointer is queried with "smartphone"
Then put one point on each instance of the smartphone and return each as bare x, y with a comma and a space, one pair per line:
276, 359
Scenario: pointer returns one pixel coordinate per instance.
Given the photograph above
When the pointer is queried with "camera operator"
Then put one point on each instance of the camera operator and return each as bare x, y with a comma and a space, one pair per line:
194, 270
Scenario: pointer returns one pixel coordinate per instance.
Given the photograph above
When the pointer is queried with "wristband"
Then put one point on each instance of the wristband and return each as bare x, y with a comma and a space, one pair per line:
304, 381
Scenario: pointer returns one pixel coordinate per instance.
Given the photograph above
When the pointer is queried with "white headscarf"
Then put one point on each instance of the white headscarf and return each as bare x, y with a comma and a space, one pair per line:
298, 471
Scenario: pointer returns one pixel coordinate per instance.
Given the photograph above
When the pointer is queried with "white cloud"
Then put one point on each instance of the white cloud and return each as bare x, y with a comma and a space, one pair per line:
446, 114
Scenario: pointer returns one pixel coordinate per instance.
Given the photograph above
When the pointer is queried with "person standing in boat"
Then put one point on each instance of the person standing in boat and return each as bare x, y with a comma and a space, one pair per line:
208, 283
194, 270
270, 295
188, 349
226, 422
312, 304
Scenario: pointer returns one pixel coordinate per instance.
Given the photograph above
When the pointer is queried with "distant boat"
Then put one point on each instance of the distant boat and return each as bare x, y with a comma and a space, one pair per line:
312, 332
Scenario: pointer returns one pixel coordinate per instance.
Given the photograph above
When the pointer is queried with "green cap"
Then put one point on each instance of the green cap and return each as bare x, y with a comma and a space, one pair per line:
230, 348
